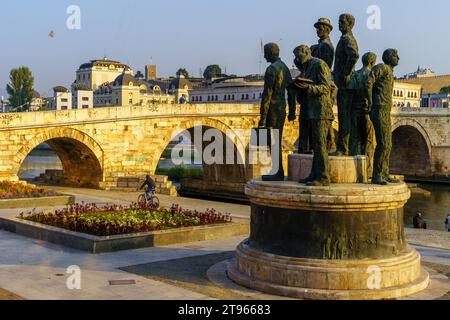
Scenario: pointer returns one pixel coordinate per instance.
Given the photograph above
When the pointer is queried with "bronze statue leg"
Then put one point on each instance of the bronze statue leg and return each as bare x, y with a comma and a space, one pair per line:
381, 120
357, 132
344, 102
304, 138
276, 121
320, 167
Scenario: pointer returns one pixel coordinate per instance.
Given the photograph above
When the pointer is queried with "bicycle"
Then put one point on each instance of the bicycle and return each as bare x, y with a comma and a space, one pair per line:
151, 201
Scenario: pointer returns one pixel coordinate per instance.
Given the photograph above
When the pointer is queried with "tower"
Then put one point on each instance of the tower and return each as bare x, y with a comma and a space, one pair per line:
150, 72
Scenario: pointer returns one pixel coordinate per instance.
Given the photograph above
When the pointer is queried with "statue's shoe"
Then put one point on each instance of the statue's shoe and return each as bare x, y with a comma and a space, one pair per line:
392, 180
379, 181
338, 154
307, 180
318, 183
275, 177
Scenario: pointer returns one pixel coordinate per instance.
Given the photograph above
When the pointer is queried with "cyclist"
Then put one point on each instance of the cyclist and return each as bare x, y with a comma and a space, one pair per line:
151, 186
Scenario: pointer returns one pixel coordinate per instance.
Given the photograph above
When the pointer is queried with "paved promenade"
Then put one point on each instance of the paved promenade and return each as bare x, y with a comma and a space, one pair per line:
33, 269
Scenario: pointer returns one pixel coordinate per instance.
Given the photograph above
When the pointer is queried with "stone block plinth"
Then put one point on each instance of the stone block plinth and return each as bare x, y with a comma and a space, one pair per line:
342, 169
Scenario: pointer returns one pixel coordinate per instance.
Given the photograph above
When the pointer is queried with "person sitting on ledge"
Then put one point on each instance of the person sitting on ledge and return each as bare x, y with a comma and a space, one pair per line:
418, 221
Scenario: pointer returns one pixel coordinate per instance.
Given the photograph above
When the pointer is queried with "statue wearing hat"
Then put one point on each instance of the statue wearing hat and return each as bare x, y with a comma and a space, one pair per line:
324, 49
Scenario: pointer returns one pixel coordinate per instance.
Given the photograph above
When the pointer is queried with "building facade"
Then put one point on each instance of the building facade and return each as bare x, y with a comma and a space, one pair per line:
407, 95
97, 72
62, 98
420, 73
229, 90
82, 98
38, 103
436, 100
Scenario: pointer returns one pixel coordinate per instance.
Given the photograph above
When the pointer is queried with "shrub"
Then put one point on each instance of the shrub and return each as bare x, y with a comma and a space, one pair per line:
180, 173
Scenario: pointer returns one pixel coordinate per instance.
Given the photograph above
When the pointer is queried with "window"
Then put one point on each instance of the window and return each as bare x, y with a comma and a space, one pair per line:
225, 97
85, 98
200, 98
217, 98
246, 97
232, 97
63, 99
242, 97
63, 107
85, 106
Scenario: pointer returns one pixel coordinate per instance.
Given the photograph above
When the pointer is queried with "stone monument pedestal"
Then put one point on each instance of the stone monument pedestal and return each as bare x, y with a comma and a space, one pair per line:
344, 241
342, 169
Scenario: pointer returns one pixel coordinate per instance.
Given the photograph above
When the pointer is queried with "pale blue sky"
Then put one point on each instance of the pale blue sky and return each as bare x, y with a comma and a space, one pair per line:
195, 33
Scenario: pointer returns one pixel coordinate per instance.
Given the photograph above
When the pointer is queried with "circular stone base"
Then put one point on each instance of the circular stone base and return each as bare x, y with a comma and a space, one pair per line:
328, 279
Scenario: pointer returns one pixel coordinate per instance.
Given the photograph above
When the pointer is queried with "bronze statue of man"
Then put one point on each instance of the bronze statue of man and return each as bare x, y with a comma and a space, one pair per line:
379, 90
273, 104
346, 58
325, 50
362, 131
316, 89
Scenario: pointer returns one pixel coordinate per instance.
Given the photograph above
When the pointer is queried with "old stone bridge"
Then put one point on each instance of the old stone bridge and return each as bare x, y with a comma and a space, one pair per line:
99, 146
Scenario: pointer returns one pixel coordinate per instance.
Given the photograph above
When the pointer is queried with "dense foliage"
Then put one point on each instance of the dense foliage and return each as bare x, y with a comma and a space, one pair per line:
180, 173
183, 72
212, 71
114, 220
20, 88
17, 190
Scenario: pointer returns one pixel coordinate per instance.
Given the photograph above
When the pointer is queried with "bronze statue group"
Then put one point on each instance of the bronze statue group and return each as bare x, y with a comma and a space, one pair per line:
364, 101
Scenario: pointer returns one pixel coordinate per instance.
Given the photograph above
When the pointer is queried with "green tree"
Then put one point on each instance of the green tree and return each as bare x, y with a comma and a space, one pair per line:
20, 88
183, 72
139, 75
445, 90
212, 71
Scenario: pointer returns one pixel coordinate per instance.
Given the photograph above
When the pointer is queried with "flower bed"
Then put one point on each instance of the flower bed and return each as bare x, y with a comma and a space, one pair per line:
117, 220
19, 190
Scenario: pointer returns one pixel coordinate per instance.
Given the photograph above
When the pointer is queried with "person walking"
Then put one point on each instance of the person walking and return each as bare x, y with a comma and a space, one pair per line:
447, 222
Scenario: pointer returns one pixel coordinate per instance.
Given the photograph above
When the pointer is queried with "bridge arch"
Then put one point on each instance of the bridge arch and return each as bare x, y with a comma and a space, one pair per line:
189, 125
81, 156
411, 149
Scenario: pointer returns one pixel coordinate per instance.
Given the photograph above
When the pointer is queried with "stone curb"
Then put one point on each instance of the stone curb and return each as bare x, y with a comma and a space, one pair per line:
96, 244
37, 202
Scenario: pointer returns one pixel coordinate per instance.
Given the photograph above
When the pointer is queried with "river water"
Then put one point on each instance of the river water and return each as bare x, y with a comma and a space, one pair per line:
434, 208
